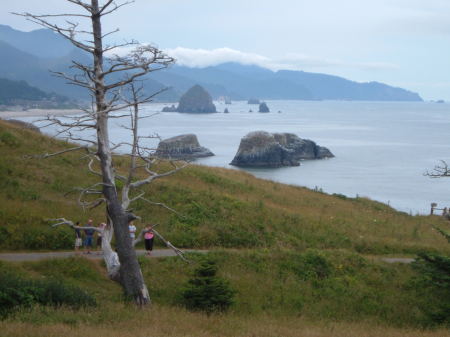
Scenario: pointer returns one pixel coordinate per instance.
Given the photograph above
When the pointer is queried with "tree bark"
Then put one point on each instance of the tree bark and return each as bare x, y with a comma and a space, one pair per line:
130, 274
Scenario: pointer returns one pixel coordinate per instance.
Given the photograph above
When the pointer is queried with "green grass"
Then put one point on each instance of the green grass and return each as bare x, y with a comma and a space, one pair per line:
221, 208
319, 286
296, 257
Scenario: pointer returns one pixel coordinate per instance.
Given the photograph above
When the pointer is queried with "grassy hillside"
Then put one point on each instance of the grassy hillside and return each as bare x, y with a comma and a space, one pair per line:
298, 259
314, 293
220, 208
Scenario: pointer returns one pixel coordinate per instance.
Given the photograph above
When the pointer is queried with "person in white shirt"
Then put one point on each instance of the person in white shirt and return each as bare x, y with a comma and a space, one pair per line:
132, 230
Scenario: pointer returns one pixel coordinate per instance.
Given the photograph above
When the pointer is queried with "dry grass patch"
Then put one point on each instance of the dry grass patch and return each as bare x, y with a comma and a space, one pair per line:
170, 322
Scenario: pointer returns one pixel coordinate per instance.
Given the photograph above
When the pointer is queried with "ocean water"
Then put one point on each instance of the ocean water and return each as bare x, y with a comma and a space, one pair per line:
382, 149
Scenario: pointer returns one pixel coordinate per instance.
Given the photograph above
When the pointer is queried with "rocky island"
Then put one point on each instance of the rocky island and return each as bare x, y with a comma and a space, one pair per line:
182, 147
263, 107
196, 100
264, 149
171, 108
253, 101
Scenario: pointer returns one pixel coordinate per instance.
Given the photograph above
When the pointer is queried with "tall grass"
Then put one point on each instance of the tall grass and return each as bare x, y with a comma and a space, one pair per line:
278, 293
221, 208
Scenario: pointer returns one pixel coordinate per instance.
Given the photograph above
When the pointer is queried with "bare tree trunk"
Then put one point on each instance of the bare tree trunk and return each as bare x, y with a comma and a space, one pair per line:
104, 83
130, 273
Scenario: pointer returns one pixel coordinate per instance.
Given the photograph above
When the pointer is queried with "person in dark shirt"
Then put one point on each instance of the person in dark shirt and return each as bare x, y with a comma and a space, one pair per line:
89, 237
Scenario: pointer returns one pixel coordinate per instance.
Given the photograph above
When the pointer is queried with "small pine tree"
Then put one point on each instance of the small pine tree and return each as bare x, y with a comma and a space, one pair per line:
207, 292
435, 271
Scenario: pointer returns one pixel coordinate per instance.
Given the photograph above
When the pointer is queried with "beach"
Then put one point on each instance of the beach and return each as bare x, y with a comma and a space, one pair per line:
38, 113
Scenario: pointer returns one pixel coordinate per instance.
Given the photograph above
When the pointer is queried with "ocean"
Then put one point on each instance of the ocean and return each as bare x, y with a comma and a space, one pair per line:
382, 149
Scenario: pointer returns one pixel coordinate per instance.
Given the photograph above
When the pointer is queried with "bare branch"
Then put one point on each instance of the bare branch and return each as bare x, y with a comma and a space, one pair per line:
63, 221
116, 7
140, 197
177, 251
154, 176
48, 155
439, 171
67, 33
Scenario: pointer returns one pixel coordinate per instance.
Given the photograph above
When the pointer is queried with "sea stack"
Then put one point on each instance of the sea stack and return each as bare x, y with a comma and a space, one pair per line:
182, 147
196, 100
263, 107
264, 149
171, 108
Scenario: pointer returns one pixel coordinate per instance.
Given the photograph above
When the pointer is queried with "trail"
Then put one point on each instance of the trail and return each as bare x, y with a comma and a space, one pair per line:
37, 256
157, 253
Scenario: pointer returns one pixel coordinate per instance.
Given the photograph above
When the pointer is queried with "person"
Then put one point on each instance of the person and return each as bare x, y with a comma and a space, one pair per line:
78, 238
99, 235
149, 235
89, 235
132, 230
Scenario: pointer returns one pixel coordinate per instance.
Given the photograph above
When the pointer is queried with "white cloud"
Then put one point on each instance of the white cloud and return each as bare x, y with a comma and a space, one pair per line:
201, 58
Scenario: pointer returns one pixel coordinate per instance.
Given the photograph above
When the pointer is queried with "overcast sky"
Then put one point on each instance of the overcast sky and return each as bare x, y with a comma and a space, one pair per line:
399, 42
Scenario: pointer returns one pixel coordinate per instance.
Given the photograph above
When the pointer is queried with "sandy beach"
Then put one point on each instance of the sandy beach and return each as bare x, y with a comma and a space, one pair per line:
38, 113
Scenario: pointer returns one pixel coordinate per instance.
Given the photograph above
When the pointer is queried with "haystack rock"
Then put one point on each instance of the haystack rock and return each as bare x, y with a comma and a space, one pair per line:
264, 149
263, 107
182, 147
196, 100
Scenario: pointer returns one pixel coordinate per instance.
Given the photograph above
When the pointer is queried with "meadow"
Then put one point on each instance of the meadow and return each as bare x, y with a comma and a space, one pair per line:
302, 262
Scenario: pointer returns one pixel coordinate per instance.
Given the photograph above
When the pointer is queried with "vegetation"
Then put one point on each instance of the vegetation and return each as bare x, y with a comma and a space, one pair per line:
277, 293
21, 93
434, 283
206, 291
219, 208
17, 292
297, 259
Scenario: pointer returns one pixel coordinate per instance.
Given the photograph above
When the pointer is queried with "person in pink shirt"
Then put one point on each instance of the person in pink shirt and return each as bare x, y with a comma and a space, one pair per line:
148, 239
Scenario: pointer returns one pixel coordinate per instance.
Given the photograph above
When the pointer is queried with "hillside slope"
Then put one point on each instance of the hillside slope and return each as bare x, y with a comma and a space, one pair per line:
40, 50
220, 207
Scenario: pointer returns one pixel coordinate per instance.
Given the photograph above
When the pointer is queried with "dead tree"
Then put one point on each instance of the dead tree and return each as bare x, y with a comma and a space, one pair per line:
107, 80
439, 171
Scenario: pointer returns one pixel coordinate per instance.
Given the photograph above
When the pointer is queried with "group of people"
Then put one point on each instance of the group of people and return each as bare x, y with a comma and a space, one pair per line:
85, 237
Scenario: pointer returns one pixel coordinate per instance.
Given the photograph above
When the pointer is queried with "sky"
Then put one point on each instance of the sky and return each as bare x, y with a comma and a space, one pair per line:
403, 43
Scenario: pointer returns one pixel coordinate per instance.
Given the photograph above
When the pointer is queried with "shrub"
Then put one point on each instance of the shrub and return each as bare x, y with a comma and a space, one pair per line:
18, 292
8, 139
207, 292
435, 281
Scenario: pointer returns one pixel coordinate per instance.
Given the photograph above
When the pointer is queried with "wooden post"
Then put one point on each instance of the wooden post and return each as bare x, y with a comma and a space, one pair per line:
433, 205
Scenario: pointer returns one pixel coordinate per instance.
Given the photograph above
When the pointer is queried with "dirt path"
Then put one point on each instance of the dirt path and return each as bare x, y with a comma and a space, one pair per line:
397, 259
35, 256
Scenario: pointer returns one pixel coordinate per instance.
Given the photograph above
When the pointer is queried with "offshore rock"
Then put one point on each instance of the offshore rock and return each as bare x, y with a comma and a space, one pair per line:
182, 147
263, 107
171, 108
264, 149
196, 100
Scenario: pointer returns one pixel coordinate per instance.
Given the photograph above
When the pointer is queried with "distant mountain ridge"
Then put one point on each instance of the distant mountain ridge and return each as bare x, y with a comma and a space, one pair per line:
20, 93
29, 55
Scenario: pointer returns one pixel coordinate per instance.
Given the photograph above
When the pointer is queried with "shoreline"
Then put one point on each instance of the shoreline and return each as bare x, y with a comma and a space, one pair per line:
38, 113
